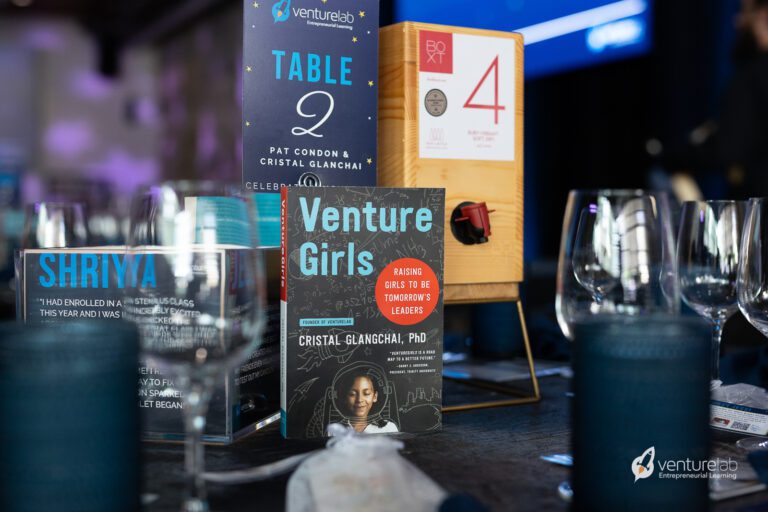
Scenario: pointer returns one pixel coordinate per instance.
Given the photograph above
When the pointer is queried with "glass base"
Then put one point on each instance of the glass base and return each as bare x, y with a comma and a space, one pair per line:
194, 505
565, 491
753, 444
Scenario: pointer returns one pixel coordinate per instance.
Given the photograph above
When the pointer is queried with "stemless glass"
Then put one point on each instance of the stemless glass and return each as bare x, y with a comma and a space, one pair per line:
196, 291
707, 264
54, 225
752, 282
616, 256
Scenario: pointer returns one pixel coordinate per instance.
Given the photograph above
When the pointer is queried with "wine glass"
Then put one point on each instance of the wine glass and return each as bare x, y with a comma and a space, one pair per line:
196, 292
49, 225
752, 283
707, 264
616, 256
595, 253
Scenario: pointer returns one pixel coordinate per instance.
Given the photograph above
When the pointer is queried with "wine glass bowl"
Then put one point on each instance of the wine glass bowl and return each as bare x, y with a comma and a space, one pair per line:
595, 254
49, 225
752, 283
616, 256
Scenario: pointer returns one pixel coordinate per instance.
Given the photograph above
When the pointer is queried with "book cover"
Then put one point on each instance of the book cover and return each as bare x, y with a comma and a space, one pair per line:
361, 325
310, 88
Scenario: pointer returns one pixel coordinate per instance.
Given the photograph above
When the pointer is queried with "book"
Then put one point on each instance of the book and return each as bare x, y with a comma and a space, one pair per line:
310, 90
361, 299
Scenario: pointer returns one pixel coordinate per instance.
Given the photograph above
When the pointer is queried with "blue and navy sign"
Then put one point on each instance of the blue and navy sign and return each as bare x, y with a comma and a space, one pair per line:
310, 88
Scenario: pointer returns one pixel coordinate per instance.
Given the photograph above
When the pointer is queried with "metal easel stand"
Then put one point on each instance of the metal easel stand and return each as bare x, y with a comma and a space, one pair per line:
521, 397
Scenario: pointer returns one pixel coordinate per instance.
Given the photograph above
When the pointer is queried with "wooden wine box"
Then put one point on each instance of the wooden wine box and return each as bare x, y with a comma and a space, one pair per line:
451, 116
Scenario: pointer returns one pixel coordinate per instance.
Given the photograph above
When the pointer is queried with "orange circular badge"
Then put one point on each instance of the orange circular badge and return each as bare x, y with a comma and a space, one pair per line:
407, 291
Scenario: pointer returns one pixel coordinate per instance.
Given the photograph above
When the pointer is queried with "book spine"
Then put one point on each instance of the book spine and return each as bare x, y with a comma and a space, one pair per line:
283, 309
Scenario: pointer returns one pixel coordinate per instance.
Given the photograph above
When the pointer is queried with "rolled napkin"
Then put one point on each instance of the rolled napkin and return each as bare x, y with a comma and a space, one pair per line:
361, 472
69, 424
641, 413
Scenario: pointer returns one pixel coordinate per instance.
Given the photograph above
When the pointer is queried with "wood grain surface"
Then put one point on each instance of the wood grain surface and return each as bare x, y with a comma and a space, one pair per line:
498, 183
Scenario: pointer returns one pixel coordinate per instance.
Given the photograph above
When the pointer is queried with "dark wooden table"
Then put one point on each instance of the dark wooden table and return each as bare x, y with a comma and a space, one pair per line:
492, 454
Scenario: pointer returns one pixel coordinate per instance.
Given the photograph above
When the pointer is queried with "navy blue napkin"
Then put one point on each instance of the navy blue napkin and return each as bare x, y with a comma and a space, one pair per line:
69, 425
641, 387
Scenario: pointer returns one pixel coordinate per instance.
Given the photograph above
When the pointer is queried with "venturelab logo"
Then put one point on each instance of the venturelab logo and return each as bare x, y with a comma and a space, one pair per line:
642, 466
317, 16
645, 465
281, 10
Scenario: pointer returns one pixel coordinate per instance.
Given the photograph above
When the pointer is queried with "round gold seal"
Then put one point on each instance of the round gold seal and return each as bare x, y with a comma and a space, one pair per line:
435, 102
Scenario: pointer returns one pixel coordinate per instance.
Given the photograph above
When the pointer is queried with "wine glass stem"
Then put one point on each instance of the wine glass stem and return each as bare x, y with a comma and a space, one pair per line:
717, 334
195, 409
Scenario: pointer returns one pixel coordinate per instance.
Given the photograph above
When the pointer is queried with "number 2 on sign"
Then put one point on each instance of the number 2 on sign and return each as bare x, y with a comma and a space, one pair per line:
298, 130
495, 107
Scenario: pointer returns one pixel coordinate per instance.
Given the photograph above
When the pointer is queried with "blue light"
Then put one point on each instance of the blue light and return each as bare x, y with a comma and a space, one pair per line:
616, 34
558, 35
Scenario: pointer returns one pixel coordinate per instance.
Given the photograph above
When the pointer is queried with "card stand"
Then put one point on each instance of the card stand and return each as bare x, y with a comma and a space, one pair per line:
520, 397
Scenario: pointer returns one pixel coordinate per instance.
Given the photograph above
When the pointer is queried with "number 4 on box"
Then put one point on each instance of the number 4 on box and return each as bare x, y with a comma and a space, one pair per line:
495, 107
